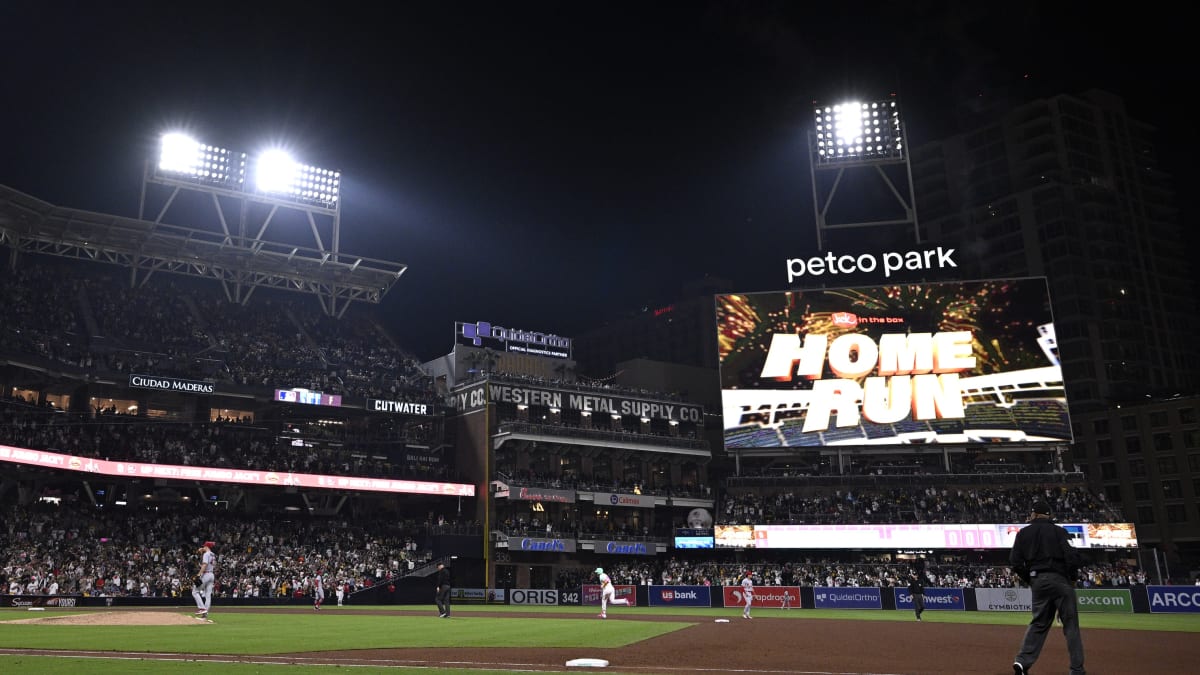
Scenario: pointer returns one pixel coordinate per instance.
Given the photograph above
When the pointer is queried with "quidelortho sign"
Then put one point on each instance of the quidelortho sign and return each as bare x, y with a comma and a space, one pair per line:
1004, 599
1174, 599
847, 597
484, 334
1115, 600
163, 383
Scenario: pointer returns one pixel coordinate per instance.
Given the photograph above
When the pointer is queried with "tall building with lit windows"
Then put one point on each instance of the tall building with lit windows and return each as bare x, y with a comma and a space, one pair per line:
1068, 187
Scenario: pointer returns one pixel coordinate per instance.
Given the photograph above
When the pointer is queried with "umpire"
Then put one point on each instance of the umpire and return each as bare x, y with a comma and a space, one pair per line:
917, 589
443, 590
1043, 557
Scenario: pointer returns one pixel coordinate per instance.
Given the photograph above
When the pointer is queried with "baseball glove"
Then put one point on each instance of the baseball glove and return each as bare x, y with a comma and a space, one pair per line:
197, 580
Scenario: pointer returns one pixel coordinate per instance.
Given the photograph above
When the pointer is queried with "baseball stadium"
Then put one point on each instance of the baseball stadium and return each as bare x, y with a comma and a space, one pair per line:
179, 403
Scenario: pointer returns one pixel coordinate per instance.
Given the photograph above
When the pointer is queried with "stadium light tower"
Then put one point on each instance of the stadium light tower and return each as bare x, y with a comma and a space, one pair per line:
247, 192
272, 178
866, 140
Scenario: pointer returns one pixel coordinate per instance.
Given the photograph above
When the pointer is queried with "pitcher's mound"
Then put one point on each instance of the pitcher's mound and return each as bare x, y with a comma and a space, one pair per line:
116, 619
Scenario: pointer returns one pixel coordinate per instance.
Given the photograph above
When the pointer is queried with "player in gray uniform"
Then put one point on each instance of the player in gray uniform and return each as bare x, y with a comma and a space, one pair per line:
202, 591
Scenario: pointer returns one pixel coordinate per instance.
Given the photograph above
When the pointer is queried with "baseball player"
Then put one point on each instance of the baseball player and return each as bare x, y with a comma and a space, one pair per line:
318, 591
203, 588
608, 593
747, 594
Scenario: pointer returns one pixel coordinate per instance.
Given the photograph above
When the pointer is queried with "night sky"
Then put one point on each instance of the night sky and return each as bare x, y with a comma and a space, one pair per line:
546, 166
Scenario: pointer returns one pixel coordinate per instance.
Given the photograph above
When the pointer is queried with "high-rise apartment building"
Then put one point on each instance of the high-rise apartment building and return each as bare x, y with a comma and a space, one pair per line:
1068, 187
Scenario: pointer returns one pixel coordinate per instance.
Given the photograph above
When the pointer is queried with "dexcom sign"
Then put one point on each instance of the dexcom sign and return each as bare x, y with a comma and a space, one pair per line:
1174, 599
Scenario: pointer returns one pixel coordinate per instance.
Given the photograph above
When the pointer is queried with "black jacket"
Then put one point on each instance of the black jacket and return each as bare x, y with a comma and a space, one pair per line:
915, 586
1043, 546
443, 577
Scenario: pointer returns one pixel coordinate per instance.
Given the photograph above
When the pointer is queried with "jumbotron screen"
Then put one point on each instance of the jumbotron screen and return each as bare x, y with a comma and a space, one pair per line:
969, 362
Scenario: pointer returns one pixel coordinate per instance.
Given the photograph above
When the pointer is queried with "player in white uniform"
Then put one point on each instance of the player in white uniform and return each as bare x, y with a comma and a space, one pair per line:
607, 593
747, 594
207, 573
318, 591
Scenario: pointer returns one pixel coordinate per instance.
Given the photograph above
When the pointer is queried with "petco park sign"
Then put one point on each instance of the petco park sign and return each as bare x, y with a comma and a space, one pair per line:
889, 263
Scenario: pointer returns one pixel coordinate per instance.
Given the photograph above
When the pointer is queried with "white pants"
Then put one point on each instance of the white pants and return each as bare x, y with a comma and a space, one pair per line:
610, 595
203, 593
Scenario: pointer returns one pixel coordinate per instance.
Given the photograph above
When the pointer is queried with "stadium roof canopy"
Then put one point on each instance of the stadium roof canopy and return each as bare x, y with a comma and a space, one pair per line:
31, 225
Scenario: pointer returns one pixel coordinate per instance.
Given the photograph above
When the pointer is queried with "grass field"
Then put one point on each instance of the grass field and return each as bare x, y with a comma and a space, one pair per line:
240, 634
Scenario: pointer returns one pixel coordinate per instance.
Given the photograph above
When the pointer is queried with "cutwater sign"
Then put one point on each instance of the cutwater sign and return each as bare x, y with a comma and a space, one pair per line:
680, 596
1174, 599
1114, 600
935, 598
847, 597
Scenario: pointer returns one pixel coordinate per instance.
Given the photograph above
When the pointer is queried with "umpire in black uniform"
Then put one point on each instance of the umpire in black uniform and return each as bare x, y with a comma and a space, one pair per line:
443, 590
1043, 557
916, 588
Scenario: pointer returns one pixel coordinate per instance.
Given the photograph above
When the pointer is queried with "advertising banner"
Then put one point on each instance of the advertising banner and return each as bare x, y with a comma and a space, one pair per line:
612, 404
1004, 599
299, 395
970, 362
470, 399
483, 334
106, 467
935, 598
164, 383
541, 545
764, 596
533, 596
680, 596
847, 597
612, 499
1174, 599
693, 542
626, 547
909, 536
398, 407
536, 494
478, 596
591, 593
1112, 600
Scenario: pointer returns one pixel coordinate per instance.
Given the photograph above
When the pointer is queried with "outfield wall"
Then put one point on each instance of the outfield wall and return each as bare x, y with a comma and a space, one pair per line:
1135, 599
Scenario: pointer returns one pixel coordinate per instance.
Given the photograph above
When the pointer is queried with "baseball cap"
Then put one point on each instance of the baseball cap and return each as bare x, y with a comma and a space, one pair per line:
599, 570
1040, 506
210, 544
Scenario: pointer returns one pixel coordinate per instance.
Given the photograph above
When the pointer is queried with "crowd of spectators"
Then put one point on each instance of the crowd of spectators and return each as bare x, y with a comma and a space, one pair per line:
212, 444
151, 551
178, 327
1006, 504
